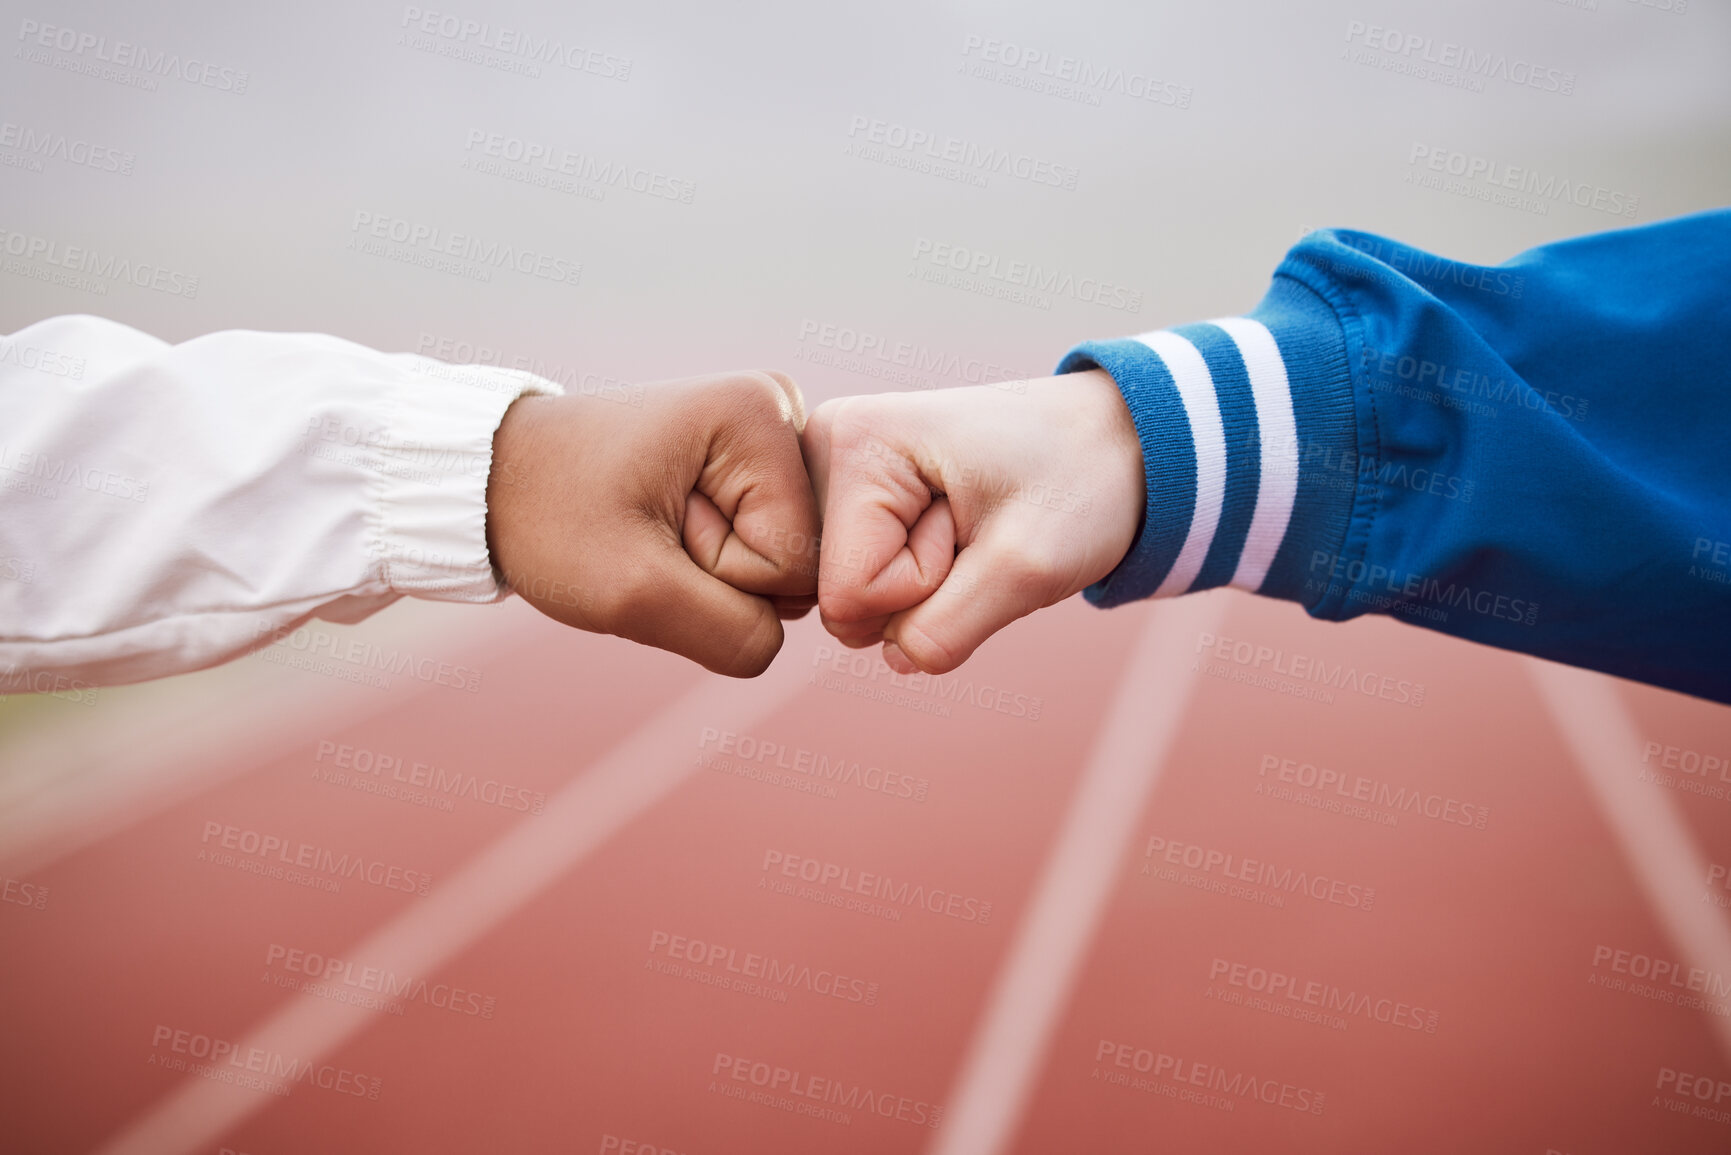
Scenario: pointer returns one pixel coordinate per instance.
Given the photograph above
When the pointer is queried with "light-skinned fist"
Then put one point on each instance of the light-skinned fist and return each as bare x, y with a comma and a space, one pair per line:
949, 514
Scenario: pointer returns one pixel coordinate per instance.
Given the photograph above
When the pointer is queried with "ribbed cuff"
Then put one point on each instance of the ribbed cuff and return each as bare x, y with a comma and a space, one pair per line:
431, 535
1169, 460
1250, 446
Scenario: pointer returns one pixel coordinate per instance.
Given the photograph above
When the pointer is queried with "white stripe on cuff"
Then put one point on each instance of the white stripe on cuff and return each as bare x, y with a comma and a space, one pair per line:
1278, 436
1202, 407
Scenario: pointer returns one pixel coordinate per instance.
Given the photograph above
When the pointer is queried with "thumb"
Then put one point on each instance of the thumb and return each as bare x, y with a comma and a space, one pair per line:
991, 584
683, 609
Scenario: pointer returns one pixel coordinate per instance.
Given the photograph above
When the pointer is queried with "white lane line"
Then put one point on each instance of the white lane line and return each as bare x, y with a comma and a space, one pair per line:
1033, 986
640, 771
1596, 726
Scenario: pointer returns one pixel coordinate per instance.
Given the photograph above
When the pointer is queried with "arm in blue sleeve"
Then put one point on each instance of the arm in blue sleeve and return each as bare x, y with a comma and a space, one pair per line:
1534, 455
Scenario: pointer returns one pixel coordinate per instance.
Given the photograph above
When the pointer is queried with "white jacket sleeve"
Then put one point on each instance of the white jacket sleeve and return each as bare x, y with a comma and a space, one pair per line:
167, 507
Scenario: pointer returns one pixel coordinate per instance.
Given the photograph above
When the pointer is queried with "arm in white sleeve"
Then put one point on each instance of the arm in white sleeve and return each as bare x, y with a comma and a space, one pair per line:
168, 507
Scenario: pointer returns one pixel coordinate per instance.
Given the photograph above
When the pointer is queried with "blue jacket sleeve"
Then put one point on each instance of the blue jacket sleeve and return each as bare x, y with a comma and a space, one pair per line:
1534, 455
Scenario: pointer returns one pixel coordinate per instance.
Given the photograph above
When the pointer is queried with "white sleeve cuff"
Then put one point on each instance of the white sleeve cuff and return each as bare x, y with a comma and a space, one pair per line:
431, 468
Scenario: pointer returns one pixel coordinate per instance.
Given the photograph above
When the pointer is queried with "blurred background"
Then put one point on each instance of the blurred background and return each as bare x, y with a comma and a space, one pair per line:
1160, 878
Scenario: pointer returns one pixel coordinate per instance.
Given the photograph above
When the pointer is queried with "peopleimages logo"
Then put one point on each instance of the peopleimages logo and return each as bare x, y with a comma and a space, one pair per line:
724, 749
1209, 1077
1327, 997
1514, 185
1069, 77
800, 1092
53, 473
583, 168
356, 659
1358, 788
1301, 675
1459, 386
1704, 1089
752, 968
1398, 591
889, 895
1343, 469
1420, 266
967, 155
379, 766
464, 253
979, 271
1465, 62
925, 693
88, 46
255, 1067
1717, 873
904, 362
91, 269
31, 894
262, 853
15, 679
49, 361
344, 980
468, 363
1688, 761
472, 39
1254, 872
42, 144
1662, 973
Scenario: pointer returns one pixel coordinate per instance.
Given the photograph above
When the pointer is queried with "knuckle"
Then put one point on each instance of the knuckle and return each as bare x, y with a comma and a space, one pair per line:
631, 600
764, 392
821, 422
757, 648
1019, 569
786, 385
850, 422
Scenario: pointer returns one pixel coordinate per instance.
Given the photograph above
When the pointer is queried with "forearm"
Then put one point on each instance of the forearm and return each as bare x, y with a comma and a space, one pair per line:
180, 505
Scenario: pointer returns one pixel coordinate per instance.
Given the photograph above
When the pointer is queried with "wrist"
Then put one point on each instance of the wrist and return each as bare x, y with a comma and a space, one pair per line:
1170, 483
509, 497
1112, 437
433, 458
1244, 423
